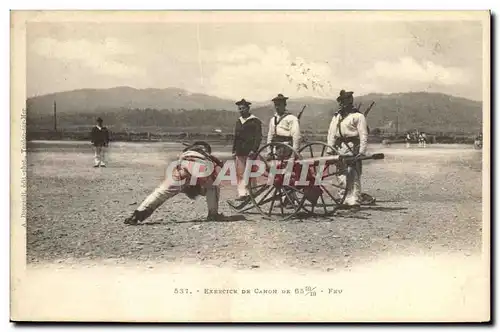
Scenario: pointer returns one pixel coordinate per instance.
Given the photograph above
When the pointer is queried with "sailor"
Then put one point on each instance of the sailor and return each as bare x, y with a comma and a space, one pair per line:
283, 127
420, 140
408, 140
478, 142
424, 140
348, 133
99, 138
178, 180
247, 139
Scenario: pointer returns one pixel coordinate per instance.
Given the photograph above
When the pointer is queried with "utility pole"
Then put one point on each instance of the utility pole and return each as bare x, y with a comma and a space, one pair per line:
397, 123
55, 117
397, 116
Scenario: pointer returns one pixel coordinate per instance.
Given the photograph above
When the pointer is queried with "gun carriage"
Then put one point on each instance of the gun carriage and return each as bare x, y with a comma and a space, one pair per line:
295, 183
298, 183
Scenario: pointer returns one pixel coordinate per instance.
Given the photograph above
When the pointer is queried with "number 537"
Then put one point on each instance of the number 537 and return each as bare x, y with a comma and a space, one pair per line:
181, 291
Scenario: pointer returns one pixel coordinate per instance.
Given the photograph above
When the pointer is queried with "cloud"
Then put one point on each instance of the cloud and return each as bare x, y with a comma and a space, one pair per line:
409, 70
100, 56
242, 54
260, 73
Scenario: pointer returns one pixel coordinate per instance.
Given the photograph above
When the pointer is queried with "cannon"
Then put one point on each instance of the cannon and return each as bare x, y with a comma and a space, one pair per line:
280, 192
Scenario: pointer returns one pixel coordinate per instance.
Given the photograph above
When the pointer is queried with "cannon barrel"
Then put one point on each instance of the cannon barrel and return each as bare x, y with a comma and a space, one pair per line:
220, 157
327, 159
340, 158
375, 156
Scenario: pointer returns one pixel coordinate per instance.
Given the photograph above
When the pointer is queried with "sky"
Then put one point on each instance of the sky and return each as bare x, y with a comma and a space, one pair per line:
258, 60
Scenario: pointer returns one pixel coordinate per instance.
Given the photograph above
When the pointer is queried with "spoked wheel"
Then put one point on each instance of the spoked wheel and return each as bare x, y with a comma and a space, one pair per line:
317, 149
329, 191
273, 193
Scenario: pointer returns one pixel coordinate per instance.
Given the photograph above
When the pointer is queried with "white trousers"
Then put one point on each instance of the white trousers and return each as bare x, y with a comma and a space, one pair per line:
241, 162
168, 189
99, 155
351, 177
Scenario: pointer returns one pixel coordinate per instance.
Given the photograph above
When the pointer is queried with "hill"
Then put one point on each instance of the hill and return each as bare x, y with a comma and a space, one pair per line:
402, 111
99, 100
178, 110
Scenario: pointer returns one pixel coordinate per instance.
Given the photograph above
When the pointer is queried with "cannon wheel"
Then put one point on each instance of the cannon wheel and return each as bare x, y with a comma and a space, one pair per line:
333, 187
275, 201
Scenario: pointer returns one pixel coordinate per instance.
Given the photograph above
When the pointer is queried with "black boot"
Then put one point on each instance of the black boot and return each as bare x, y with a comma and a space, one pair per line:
137, 216
216, 217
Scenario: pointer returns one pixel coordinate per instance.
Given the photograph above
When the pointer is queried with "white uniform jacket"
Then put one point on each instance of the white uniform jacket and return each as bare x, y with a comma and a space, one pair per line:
353, 125
287, 126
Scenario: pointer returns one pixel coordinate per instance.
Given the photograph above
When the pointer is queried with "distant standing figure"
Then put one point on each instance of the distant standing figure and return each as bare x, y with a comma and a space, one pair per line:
422, 140
99, 137
478, 142
408, 140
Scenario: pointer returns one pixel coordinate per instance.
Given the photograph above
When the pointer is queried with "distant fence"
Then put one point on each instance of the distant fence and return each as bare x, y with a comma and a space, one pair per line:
126, 136
224, 137
147, 136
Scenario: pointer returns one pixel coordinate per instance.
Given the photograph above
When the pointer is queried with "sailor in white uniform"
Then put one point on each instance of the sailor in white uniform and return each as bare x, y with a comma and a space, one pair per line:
178, 180
348, 133
283, 127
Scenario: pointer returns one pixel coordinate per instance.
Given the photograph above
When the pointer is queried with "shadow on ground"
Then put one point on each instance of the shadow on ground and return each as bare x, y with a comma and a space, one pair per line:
233, 218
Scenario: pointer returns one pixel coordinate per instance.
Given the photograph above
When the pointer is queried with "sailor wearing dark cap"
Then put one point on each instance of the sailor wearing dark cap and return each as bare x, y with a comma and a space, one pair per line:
247, 139
179, 180
348, 133
283, 127
99, 137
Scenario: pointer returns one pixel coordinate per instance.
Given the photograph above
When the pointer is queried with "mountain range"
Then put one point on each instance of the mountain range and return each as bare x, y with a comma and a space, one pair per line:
173, 108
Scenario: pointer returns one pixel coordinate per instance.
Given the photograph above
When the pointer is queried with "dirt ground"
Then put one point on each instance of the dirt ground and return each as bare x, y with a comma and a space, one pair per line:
428, 202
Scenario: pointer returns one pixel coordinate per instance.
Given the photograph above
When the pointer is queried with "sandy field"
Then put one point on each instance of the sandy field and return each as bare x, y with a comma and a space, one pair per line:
428, 217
